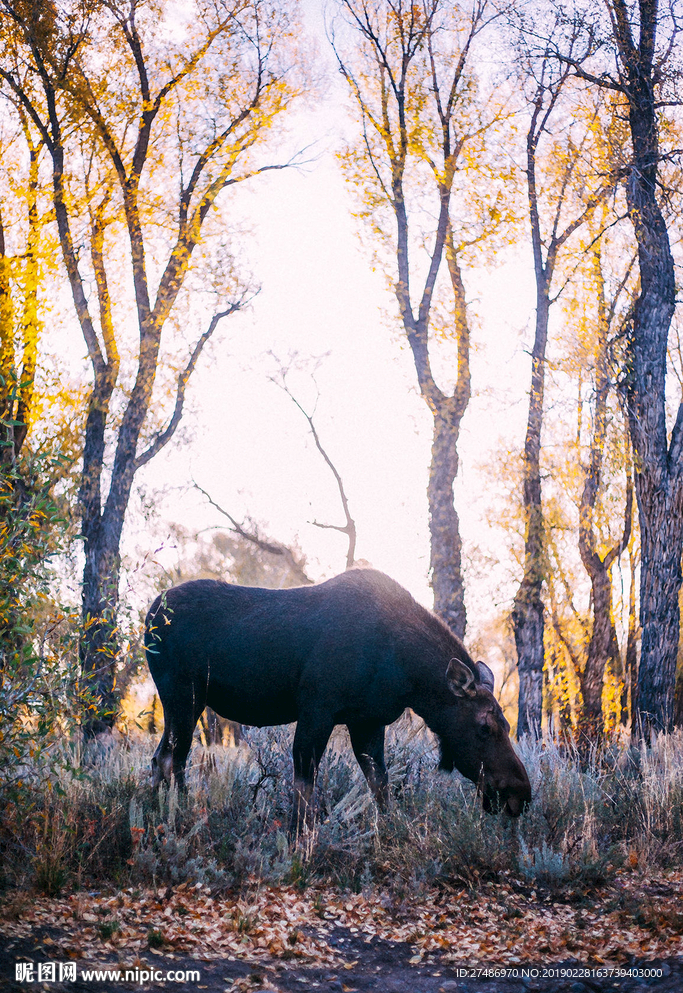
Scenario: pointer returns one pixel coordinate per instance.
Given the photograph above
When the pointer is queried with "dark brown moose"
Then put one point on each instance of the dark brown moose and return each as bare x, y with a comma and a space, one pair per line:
355, 650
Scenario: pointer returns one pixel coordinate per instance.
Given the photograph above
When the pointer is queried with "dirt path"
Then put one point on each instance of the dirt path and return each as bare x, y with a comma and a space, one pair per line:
502, 938
371, 966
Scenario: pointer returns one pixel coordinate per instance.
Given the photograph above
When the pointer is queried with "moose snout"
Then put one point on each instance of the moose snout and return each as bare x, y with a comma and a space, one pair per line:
511, 798
511, 804
518, 796
516, 805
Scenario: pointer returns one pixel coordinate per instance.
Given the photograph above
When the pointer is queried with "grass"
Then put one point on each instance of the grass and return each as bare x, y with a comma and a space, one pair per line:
104, 825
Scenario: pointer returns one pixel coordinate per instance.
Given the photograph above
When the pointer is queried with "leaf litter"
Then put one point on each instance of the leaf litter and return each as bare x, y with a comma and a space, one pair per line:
634, 918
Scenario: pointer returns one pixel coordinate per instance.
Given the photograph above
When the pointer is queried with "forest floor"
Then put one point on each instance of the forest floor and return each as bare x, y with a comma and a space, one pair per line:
626, 935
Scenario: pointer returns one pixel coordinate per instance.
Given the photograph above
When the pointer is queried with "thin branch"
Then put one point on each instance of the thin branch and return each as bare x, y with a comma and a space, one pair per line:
605, 80
273, 548
621, 546
349, 529
603, 230
165, 436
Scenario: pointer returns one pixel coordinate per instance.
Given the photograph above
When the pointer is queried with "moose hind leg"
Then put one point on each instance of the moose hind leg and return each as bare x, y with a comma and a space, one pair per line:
310, 741
162, 760
171, 755
367, 742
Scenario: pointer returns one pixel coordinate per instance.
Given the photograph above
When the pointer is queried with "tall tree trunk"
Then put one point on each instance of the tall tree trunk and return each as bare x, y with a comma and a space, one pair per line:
527, 613
444, 525
603, 647
660, 572
396, 38
447, 412
658, 465
678, 688
631, 654
99, 642
100, 591
528, 622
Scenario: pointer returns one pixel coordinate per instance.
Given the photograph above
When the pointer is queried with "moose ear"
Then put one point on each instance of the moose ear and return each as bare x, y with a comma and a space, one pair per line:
485, 676
460, 678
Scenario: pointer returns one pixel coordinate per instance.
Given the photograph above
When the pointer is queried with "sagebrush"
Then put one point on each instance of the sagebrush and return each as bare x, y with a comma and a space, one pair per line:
103, 824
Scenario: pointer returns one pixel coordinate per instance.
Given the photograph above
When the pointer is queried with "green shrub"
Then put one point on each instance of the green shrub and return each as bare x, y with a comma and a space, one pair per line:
40, 697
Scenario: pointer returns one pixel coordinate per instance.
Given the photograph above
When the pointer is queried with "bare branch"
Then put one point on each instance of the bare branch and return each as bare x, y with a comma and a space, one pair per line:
622, 545
605, 81
165, 436
349, 529
272, 547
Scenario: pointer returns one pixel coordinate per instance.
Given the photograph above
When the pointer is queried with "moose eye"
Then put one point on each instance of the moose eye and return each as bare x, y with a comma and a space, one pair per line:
484, 731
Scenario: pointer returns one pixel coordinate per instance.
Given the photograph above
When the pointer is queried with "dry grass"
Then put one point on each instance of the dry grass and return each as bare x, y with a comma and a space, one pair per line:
104, 825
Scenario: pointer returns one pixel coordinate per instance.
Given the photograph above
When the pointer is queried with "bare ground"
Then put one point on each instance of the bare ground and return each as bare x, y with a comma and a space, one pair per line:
370, 964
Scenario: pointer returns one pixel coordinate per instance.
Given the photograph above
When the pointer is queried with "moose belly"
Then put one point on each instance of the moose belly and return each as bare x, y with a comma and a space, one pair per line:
258, 702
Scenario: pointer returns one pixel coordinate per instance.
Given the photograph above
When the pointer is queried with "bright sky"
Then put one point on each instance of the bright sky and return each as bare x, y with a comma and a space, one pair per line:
251, 448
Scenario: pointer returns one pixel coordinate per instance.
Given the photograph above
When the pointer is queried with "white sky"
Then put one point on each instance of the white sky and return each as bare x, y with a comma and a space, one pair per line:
250, 447
243, 440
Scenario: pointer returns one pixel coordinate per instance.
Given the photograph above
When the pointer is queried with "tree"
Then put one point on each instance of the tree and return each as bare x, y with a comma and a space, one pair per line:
20, 222
411, 78
558, 206
144, 135
291, 568
33, 704
20, 277
603, 647
632, 54
587, 471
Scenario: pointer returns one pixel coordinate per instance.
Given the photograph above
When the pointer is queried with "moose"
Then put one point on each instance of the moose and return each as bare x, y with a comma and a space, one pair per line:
354, 650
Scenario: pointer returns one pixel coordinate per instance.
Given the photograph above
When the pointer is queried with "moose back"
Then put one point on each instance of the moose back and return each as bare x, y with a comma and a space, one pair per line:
355, 650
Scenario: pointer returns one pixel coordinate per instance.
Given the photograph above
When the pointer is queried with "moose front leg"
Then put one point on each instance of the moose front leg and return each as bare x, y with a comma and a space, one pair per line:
367, 742
310, 741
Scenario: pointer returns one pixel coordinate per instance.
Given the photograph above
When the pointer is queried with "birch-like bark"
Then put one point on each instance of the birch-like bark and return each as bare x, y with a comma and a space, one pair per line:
394, 54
